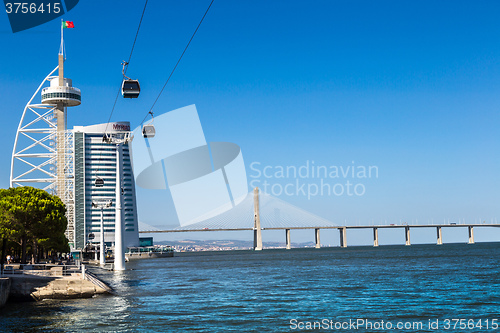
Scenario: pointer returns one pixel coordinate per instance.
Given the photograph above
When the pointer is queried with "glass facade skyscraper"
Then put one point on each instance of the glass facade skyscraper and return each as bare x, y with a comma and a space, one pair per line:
96, 159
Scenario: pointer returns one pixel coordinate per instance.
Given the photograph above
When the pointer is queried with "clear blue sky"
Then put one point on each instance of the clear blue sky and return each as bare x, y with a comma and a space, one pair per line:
410, 87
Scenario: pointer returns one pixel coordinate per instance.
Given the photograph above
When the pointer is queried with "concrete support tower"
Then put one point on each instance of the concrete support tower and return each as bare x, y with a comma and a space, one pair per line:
60, 116
471, 234
343, 237
407, 236
375, 237
288, 239
257, 231
316, 238
439, 236
61, 94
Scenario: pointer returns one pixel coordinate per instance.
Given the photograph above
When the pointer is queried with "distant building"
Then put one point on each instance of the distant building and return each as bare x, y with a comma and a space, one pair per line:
95, 159
146, 241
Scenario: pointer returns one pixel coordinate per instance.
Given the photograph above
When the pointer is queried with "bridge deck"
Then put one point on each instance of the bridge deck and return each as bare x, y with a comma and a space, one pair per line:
382, 226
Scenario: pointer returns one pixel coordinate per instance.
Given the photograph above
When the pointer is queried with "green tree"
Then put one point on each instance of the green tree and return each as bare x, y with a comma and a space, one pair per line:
34, 217
7, 229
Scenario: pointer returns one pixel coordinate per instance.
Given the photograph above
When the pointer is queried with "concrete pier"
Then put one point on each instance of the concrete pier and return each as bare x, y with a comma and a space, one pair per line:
375, 237
316, 234
343, 237
407, 236
439, 236
471, 235
288, 242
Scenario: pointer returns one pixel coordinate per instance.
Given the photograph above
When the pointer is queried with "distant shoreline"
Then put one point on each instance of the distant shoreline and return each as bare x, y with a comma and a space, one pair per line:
326, 248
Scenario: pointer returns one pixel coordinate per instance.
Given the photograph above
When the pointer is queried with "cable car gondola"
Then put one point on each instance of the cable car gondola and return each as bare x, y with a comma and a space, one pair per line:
99, 182
148, 130
130, 88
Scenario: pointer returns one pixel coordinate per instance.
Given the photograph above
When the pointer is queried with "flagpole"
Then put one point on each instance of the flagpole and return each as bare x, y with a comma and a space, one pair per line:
61, 57
61, 49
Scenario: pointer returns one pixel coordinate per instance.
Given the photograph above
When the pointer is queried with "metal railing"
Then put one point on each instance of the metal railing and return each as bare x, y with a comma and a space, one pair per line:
46, 270
95, 280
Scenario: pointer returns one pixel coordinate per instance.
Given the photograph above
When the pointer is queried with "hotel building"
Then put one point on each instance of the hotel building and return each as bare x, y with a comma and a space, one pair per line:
96, 159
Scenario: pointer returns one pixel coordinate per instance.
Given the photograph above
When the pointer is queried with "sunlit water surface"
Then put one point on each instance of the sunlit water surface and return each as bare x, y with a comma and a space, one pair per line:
276, 290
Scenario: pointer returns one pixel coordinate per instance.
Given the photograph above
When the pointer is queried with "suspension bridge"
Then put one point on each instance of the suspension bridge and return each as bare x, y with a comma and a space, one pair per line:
260, 211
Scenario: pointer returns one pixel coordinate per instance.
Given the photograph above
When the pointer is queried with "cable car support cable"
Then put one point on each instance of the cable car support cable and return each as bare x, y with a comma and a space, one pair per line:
124, 71
178, 61
100, 181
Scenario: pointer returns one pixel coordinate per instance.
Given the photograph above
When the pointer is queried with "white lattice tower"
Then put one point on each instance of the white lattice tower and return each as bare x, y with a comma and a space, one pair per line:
34, 154
43, 154
36, 150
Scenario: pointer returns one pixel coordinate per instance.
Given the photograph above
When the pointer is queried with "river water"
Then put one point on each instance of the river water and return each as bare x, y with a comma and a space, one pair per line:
356, 289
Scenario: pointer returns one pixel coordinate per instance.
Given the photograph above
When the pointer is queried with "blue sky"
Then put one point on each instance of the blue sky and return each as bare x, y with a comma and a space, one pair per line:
410, 87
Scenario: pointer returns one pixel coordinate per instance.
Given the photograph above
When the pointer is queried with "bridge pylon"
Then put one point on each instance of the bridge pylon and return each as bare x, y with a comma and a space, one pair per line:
257, 230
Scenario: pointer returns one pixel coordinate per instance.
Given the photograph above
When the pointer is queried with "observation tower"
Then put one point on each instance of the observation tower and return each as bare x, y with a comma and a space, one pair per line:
61, 94
43, 151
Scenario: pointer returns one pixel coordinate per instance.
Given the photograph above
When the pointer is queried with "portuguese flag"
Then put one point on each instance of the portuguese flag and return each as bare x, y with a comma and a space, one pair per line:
68, 24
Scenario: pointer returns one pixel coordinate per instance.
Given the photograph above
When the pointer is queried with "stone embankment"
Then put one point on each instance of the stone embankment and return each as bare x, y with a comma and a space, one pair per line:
4, 290
57, 282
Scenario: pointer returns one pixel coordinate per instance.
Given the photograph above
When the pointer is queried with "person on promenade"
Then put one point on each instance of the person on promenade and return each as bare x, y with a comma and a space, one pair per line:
9, 259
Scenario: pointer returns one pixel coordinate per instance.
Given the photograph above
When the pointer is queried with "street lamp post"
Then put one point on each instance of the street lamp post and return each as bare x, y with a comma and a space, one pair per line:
102, 205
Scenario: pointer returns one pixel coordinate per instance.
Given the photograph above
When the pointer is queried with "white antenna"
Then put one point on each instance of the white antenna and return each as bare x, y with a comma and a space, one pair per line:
61, 48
